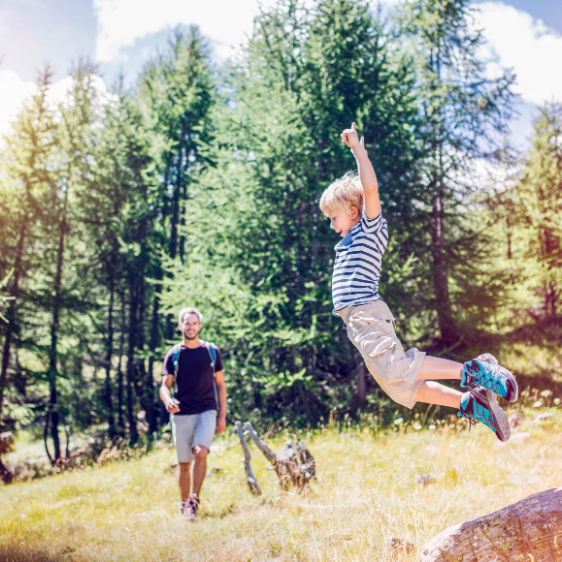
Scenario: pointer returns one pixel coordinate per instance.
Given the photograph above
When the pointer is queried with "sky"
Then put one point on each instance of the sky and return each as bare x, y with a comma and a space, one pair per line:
120, 35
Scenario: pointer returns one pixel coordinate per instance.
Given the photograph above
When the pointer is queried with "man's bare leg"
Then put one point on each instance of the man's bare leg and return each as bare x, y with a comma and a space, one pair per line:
434, 369
200, 467
184, 480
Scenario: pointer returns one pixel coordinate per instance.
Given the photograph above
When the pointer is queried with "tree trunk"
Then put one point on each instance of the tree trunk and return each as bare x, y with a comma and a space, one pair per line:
175, 215
6, 445
183, 198
46, 437
440, 274
120, 401
54, 414
440, 269
361, 384
146, 389
529, 530
133, 434
154, 340
174, 221
11, 314
108, 356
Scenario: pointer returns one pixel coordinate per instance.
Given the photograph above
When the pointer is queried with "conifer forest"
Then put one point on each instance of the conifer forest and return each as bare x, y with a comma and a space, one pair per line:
199, 186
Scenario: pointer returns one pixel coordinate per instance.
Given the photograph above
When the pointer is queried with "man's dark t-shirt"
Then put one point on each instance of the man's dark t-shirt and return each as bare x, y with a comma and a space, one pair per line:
195, 382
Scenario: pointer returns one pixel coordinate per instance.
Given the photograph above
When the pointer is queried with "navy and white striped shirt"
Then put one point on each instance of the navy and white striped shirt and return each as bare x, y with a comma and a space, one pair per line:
358, 263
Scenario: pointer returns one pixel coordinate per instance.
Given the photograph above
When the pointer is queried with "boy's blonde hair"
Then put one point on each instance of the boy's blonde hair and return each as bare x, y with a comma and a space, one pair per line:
343, 194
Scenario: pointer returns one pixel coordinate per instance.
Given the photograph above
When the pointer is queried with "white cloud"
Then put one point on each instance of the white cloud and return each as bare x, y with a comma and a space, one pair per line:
517, 40
3, 20
121, 22
14, 91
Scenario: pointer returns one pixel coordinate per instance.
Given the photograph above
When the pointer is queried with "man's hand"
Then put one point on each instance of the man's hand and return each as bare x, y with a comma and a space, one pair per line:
221, 424
172, 406
351, 138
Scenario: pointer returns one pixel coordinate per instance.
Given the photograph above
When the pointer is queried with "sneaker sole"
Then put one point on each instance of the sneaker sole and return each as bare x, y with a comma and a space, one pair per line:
511, 383
503, 429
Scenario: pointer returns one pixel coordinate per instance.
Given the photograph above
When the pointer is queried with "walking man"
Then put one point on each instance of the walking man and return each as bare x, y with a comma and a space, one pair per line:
197, 407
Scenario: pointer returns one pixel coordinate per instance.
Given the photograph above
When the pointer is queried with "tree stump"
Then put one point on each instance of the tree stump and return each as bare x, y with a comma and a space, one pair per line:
6, 444
294, 464
250, 478
527, 531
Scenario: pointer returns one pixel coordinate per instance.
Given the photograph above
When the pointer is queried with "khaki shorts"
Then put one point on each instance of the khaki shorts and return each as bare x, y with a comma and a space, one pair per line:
371, 329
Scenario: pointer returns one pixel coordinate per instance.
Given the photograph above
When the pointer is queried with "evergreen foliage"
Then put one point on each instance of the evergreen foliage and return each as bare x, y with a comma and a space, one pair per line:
200, 186
528, 234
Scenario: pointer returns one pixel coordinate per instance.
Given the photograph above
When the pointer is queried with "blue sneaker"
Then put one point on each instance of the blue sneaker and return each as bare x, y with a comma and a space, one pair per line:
481, 405
487, 372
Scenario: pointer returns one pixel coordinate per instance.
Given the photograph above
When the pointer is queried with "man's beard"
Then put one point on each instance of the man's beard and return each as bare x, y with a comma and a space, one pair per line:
192, 337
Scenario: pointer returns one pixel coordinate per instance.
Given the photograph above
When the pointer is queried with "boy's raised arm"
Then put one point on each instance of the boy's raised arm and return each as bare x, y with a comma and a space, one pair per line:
366, 172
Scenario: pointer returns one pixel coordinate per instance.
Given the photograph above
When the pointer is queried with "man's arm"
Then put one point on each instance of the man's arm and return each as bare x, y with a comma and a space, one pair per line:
366, 172
166, 396
221, 389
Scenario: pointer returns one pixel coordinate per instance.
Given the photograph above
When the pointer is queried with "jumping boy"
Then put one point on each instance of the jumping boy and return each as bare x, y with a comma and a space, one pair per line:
352, 204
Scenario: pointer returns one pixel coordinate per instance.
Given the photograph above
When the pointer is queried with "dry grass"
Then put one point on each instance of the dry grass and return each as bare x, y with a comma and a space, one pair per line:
365, 494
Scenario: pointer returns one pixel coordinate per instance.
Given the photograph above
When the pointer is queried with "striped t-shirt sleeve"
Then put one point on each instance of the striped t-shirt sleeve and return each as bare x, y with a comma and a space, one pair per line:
371, 225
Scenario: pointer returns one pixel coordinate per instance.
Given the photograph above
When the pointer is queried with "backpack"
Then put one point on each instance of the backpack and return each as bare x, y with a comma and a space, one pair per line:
176, 350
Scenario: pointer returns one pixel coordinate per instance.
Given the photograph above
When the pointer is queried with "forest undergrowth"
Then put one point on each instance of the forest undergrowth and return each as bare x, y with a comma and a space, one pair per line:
367, 492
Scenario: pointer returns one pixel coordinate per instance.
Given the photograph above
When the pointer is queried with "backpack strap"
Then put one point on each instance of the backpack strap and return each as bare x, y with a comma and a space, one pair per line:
213, 354
176, 350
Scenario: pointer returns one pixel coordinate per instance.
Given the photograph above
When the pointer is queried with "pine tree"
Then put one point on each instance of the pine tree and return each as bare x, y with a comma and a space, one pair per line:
537, 212
463, 113
27, 179
261, 259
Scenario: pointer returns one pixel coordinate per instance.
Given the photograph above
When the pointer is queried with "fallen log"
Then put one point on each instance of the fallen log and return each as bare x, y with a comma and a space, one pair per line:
294, 464
250, 478
527, 531
6, 445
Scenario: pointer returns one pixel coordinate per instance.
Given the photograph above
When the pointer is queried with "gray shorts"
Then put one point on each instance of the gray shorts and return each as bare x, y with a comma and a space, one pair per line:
198, 429
371, 329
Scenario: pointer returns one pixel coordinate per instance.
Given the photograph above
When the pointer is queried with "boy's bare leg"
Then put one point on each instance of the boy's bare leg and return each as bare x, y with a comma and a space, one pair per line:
434, 393
434, 369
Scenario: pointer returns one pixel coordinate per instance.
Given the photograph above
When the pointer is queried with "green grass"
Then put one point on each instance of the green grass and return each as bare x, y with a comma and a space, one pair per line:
365, 494
532, 360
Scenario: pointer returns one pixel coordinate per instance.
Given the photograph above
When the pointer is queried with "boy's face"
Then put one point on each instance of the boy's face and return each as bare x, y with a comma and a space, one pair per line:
343, 222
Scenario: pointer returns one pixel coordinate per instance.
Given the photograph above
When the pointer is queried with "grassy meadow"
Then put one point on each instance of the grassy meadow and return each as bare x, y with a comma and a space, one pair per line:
364, 495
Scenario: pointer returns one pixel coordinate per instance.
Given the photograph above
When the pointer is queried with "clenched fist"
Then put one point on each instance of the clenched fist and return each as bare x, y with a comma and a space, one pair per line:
351, 138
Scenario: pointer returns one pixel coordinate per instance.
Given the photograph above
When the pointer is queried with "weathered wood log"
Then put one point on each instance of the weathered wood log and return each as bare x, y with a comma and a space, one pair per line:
527, 531
250, 478
6, 445
294, 464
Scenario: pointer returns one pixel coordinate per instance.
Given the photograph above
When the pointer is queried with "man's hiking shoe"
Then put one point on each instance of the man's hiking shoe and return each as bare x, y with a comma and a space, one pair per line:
487, 372
481, 404
189, 508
